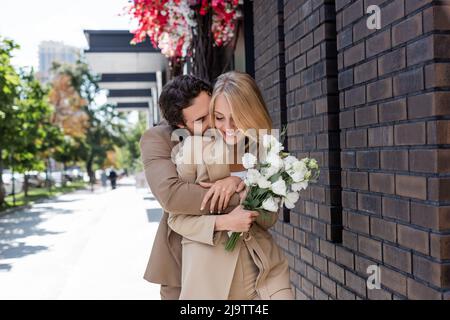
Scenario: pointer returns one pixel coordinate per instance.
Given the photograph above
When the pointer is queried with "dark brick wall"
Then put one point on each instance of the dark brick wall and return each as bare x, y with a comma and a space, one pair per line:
269, 57
313, 130
391, 102
373, 106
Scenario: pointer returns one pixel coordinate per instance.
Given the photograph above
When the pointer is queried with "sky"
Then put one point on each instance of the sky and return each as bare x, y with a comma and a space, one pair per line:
29, 22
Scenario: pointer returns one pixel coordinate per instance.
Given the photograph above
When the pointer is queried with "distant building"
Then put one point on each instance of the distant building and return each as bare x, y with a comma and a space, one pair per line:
51, 51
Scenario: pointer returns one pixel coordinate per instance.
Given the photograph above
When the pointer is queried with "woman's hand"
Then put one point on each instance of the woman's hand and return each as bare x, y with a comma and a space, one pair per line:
220, 192
238, 220
242, 195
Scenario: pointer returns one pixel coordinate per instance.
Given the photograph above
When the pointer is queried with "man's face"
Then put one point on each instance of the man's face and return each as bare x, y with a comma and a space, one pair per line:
197, 114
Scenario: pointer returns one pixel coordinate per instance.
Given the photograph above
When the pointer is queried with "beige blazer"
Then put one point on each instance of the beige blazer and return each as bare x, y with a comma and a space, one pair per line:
174, 195
208, 269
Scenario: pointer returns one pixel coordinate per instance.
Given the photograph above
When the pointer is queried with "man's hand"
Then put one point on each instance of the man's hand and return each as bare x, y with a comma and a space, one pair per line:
220, 192
238, 220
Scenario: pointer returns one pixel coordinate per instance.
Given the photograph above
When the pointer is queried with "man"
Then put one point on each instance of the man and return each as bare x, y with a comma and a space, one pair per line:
113, 178
184, 103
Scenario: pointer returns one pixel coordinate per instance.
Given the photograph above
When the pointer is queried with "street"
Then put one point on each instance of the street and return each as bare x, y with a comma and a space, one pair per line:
81, 245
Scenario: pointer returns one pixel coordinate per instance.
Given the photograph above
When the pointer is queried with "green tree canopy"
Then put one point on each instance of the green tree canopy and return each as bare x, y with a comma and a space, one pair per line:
105, 125
9, 91
36, 137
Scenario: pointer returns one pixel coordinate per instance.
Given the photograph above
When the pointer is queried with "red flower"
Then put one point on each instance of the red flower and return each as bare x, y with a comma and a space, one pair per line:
204, 7
153, 18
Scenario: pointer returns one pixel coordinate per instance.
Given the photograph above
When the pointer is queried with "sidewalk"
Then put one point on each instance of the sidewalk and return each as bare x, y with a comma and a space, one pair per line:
80, 245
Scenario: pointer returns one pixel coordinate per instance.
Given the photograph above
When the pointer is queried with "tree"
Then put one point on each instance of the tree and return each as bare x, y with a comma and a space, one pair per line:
129, 155
215, 37
104, 127
67, 151
69, 113
199, 30
9, 90
36, 136
106, 130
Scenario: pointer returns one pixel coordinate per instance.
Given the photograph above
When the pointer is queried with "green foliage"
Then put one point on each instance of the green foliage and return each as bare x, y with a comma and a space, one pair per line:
35, 137
105, 125
9, 90
29, 135
129, 155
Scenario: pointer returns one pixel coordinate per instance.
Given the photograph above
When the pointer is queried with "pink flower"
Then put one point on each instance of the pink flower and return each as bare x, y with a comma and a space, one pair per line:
169, 23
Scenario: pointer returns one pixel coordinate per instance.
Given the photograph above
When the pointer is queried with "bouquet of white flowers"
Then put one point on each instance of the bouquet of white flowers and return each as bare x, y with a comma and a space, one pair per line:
275, 181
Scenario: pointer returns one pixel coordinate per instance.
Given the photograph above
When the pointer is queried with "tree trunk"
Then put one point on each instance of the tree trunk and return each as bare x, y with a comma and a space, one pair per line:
175, 67
63, 177
48, 181
2, 187
208, 60
25, 185
89, 169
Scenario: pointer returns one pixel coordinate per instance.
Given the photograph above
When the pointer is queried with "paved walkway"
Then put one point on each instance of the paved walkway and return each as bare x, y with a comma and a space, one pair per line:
81, 245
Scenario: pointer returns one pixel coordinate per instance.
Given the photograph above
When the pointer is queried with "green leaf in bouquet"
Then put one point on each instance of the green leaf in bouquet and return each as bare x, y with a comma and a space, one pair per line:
261, 192
250, 204
286, 177
275, 177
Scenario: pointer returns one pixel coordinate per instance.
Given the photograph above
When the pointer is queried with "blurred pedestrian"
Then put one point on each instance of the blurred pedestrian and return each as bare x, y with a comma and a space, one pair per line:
104, 178
113, 178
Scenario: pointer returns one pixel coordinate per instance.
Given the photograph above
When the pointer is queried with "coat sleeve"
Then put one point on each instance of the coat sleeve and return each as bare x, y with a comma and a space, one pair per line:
195, 228
175, 195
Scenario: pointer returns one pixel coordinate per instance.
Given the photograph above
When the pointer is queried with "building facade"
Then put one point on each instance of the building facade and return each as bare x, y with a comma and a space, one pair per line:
132, 75
53, 51
373, 107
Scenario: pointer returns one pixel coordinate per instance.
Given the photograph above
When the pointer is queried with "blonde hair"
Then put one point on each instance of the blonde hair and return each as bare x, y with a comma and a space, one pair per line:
248, 109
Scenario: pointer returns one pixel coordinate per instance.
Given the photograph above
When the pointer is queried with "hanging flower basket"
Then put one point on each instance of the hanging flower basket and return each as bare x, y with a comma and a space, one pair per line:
172, 26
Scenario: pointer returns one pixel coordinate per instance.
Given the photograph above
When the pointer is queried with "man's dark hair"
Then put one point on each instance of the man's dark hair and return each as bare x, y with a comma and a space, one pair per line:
178, 94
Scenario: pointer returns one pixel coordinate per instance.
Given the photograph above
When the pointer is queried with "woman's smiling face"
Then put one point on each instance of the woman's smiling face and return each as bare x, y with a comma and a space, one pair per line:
224, 122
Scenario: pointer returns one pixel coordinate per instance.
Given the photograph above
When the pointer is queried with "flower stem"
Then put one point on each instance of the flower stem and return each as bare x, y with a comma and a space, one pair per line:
231, 243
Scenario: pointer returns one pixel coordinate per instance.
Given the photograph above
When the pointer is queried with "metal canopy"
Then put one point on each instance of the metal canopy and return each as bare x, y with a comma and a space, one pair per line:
132, 74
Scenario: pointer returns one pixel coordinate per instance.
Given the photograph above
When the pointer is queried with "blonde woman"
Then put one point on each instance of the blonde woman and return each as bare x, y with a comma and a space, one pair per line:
256, 268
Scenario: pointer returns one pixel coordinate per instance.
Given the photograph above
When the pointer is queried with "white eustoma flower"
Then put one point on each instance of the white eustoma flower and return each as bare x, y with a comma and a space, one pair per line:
290, 199
270, 204
263, 183
271, 144
298, 186
298, 171
248, 161
300, 166
279, 187
289, 161
269, 171
252, 177
274, 160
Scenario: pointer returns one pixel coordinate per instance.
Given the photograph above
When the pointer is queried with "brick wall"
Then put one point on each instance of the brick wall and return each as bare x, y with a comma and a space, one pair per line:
269, 57
374, 108
313, 124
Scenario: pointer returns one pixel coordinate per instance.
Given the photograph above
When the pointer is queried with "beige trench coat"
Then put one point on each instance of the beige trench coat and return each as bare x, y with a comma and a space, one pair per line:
174, 195
207, 268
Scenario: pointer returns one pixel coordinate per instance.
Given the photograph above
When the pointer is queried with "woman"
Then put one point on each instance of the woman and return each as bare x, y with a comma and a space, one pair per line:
256, 268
